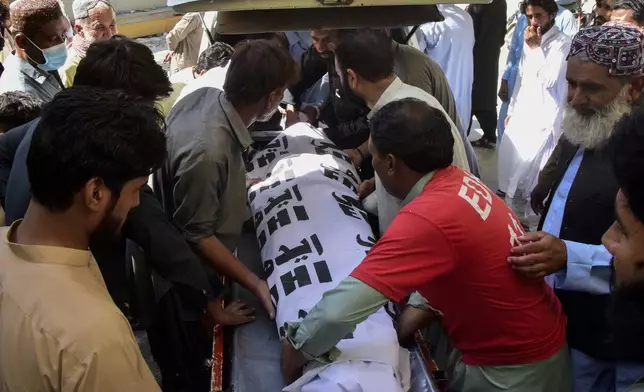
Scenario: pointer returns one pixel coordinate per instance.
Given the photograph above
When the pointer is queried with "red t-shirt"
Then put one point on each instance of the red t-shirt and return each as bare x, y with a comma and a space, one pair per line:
451, 243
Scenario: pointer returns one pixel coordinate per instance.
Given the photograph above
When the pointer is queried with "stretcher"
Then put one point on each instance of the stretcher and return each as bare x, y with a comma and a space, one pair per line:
248, 358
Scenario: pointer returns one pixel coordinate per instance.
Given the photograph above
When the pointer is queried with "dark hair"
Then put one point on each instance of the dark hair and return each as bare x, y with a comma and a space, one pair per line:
89, 132
637, 6
120, 63
4, 12
369, 53
28, 16
626, 148
18, 108
414, 132
550, 6
216, 55
256, 69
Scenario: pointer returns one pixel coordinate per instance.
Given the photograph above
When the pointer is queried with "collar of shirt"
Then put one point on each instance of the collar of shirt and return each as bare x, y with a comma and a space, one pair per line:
47, 254
26, 68
239, 129
386, 97
418, 188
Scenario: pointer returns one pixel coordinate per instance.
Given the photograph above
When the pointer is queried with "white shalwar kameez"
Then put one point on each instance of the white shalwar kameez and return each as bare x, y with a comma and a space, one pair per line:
451, 44
536, 112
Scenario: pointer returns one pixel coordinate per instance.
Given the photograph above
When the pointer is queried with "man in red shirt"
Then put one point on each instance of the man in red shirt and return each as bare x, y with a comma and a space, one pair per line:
450, 241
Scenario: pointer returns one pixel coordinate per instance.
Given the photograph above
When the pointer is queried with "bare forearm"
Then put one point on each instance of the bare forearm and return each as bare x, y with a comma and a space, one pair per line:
226, 264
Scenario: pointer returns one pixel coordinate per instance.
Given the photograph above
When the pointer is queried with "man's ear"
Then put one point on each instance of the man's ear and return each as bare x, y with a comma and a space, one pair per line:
392, 164
94, 194
78, 29
352, 79
635, 88
21, 41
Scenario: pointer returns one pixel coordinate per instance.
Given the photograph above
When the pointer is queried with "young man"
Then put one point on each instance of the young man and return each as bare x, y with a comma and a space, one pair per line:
451, 44
581, 186
40, 31
565, 21
202, 184
625, 238
94, 20
452, 235
365, 62
536, 108
18, 108
91, 153
176, 334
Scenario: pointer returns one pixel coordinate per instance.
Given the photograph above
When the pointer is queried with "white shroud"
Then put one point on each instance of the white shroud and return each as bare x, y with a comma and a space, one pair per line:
312, 233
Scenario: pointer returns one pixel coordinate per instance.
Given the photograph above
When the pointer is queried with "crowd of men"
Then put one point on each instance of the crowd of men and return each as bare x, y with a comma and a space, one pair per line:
538, 285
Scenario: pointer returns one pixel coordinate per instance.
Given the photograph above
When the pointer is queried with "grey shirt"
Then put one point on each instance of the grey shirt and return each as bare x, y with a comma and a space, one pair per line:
20, 75
202, 184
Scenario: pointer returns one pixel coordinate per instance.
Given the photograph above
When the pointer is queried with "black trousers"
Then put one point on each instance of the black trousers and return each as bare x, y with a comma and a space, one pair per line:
181, 348
488, 120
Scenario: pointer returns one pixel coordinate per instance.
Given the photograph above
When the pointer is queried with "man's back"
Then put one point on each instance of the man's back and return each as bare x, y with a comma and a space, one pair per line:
60, 328
455, 236
413, 67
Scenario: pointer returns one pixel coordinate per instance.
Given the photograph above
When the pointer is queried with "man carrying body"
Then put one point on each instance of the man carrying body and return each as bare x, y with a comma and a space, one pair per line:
203, 182
365, 62
564, 20
581, 186
451, 44
412, 66
625, 238
536, 109
40, 32
91, 153
94, 20
451, 235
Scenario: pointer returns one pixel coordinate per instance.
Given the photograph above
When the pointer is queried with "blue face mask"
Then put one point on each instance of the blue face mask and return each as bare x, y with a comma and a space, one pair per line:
55, 57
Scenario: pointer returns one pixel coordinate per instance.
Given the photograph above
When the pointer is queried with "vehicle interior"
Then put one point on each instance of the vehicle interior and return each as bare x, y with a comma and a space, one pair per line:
246, 358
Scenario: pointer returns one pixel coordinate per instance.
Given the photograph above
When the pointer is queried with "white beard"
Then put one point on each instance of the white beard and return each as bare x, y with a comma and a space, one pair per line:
589, 132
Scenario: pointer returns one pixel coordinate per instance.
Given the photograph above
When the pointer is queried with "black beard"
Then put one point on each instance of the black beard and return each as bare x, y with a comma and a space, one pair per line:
626, 318
108, 233
547, 27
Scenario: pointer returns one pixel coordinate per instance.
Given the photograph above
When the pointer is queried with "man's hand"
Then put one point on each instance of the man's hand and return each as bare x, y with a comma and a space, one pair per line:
236, 313
355, 155
292, 362
410, 320
366, 188
311, 114
252, 181
541, 255
503, 91
168, 58
291, 117
261, 291
532, 36
507, 120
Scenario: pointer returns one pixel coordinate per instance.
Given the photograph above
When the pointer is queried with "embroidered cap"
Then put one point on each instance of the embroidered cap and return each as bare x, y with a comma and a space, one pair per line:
81, 8
616, 45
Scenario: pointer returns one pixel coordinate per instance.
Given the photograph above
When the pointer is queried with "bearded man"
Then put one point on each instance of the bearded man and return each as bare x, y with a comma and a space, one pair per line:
604, 79
94, 20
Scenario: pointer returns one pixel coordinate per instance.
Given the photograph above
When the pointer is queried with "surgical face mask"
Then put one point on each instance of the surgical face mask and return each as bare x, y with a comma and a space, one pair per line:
55, 57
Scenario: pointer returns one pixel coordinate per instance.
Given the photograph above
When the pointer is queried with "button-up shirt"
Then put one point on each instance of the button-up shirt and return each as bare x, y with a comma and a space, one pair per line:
203, 182
60, 328
20, 75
